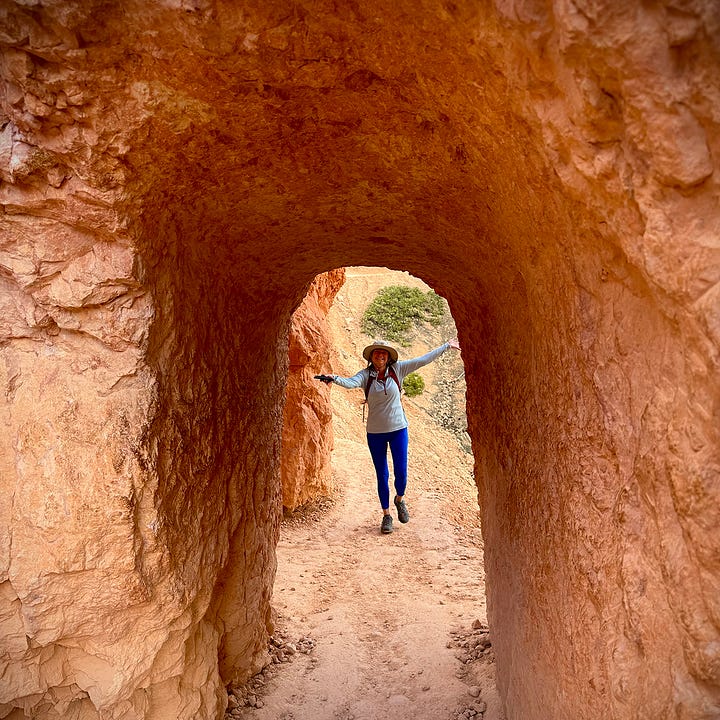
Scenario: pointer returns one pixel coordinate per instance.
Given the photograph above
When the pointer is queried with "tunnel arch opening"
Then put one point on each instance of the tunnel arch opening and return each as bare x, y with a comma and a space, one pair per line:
383, 620
415, 320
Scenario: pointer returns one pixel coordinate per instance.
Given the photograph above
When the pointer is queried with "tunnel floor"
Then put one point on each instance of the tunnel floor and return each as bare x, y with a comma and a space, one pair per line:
378, 624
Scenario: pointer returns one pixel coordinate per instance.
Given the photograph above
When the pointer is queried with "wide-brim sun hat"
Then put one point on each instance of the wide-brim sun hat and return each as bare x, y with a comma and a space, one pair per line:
380, 345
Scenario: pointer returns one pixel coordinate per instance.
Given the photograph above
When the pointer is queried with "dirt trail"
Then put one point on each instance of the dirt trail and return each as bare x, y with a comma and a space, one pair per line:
369, 625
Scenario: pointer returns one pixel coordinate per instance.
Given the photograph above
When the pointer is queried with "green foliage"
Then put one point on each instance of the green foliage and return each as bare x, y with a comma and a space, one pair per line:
413, 384
396, 310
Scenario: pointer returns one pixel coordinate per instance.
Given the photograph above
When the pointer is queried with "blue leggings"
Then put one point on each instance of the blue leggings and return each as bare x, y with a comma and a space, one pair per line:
398, 441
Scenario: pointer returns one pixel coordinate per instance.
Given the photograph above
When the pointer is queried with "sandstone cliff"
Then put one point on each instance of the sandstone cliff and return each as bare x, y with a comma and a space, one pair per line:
307, 422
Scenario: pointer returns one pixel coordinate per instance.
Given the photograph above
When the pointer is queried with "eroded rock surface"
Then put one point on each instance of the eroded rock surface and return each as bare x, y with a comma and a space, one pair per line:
175, 174
307, 437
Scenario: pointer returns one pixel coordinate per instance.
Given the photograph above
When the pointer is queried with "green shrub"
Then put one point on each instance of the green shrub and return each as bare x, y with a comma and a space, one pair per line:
413, 384
396, 310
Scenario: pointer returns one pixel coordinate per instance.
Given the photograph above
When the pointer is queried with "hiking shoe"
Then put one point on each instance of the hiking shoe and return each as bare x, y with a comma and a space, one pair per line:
403, 514
386, 526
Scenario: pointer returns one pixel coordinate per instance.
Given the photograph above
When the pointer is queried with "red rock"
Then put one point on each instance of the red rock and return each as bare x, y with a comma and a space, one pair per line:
307, 424
174, 175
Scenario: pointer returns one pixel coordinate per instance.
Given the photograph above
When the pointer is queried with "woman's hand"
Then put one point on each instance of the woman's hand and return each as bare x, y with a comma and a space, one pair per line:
327, 379
454, 344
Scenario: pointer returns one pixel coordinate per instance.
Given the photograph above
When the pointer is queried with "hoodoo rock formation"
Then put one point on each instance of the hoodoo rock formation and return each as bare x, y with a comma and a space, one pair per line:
307, 436
174, 175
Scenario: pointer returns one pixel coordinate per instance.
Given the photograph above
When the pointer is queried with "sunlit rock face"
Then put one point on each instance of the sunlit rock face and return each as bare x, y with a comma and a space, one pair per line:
307, 437
175, 174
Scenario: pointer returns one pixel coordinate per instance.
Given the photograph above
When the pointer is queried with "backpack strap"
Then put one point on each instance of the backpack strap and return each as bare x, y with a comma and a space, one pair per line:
368, 386
391, 372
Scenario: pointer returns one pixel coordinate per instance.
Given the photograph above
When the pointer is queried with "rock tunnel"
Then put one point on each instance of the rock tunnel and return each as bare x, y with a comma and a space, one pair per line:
175, 173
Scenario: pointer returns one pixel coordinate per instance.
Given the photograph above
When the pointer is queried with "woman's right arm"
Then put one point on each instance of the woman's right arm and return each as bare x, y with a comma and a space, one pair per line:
357, 380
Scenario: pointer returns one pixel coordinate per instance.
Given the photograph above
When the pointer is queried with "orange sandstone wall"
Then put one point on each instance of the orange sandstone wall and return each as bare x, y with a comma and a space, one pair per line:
174, 175
307, 437
595, 402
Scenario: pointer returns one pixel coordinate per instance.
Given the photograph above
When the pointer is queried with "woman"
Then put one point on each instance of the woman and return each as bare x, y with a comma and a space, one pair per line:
386, 423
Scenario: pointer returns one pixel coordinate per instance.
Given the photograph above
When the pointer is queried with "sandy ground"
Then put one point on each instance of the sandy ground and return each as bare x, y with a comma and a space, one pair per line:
369, 625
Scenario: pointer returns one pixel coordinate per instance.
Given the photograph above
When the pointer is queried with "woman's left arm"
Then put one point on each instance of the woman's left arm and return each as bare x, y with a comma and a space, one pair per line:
408, 366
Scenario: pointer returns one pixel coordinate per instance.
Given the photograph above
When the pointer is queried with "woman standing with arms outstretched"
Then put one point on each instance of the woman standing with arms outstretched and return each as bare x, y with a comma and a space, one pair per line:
386, 422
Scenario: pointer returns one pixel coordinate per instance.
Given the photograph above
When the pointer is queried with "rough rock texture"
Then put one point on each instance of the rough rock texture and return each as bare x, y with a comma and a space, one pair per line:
307, 436
174, 175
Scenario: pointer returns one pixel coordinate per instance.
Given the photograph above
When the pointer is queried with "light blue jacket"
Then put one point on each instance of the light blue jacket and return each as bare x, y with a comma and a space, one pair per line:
385, 411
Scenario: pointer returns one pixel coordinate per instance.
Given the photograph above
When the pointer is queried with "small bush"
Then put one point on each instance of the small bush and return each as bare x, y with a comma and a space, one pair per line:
397, 309
413, 384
